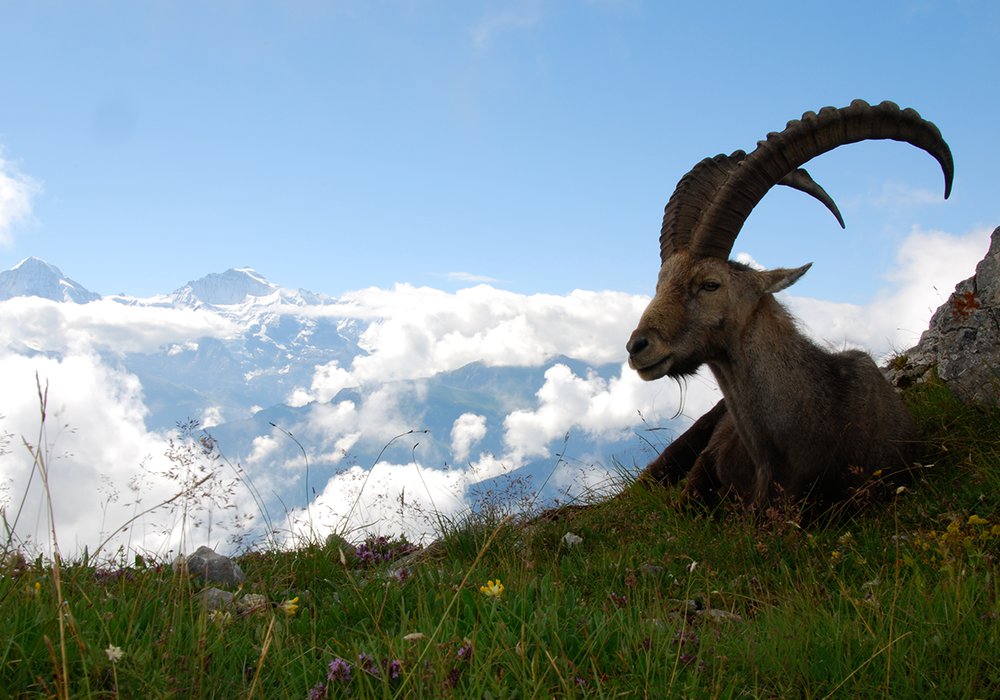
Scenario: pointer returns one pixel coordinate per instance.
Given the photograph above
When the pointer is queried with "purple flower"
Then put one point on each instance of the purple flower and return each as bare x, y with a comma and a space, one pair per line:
317, 692
465, 651
339, 670
367, 664
395, 669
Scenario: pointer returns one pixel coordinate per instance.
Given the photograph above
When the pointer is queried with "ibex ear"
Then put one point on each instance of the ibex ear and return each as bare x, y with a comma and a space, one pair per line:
782, 278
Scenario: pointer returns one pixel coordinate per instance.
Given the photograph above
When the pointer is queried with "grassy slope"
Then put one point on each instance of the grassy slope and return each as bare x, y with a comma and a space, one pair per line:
900, 601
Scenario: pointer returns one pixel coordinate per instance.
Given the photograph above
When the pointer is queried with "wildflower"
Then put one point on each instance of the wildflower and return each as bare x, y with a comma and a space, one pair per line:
571, 539
220, 617
976, 520
367, 664
835, 556
465, 651
289, 606
492, 589
619, 601
394, 669
338, 670
114, 653
414, 636
317, 692
692, 566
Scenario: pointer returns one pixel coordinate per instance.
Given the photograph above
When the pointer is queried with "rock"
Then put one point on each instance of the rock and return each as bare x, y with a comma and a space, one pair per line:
336, 542
215, 599
962, 342
210, 567
252, 603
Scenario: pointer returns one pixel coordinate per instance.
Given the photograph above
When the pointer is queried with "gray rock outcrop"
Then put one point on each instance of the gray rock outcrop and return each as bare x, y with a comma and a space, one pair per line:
210, 567
962, 342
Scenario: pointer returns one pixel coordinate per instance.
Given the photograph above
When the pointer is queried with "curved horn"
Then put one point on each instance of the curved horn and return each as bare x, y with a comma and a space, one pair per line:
802, 140
696, 190
802, 181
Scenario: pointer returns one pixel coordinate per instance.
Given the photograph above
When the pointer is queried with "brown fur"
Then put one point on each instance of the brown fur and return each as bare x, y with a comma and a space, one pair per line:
797, 422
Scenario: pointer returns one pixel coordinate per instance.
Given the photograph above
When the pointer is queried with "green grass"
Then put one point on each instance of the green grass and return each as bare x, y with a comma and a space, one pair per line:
900, 600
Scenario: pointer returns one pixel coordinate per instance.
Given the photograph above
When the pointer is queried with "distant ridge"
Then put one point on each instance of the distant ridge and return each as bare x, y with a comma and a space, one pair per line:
36, 278
225, 288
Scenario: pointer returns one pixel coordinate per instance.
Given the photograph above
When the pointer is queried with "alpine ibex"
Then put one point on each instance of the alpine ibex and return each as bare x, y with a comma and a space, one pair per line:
795, 420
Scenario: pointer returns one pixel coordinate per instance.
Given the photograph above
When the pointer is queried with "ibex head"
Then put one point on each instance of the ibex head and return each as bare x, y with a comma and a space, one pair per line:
702, 299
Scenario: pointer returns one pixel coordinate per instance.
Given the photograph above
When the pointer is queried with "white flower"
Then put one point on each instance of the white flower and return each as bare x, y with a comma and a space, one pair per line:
114, 653
572, 540
692, 566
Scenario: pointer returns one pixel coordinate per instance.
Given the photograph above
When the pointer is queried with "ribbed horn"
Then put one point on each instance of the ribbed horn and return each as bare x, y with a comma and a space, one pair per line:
802, 140
696, 190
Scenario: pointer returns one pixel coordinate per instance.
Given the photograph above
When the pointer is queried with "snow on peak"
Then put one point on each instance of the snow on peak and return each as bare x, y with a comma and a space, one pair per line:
33, 277
226, 288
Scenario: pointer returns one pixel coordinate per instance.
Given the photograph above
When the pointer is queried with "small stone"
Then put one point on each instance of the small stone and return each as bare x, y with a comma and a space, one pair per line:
252, 603
210, 567
215, 599
716, 615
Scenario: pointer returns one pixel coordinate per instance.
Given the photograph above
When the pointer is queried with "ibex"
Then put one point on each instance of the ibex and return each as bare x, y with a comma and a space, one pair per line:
795, 420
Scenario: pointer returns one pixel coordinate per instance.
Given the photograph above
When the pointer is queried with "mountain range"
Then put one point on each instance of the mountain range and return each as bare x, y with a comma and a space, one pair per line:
242, 388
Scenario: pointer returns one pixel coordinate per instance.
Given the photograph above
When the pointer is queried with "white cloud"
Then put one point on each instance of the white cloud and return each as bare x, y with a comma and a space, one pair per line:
418, 331
328, 380
212, 417
46, 325
16, 193
470, 278
387, 499
928, 265
96, 448
602, 408
467, 430
262, 450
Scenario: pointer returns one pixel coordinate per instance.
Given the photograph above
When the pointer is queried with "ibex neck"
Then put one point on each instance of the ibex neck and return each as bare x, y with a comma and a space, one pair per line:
763, 374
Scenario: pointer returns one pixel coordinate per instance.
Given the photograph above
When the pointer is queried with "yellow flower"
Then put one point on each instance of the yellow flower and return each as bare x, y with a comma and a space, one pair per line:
493, 589
976, 520
835, 556
289, 606
219, 617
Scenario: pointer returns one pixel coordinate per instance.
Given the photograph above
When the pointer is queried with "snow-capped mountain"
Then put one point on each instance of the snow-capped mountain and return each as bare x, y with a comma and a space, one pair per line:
37, 278
277, 349
288, 363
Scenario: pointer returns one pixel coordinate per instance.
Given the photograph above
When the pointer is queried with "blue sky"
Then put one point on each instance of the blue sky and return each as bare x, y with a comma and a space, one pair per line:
336, 146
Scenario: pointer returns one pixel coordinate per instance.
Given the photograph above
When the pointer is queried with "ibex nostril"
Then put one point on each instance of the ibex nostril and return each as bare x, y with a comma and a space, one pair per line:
636, 345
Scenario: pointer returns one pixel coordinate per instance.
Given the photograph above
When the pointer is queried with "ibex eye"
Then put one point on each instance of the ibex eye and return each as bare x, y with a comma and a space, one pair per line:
710, 286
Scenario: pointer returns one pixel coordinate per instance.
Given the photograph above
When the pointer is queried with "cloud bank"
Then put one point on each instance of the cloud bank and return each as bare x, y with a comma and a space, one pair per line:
99, 446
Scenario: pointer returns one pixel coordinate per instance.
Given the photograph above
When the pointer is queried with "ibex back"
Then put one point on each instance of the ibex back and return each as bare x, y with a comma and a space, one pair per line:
795, 421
